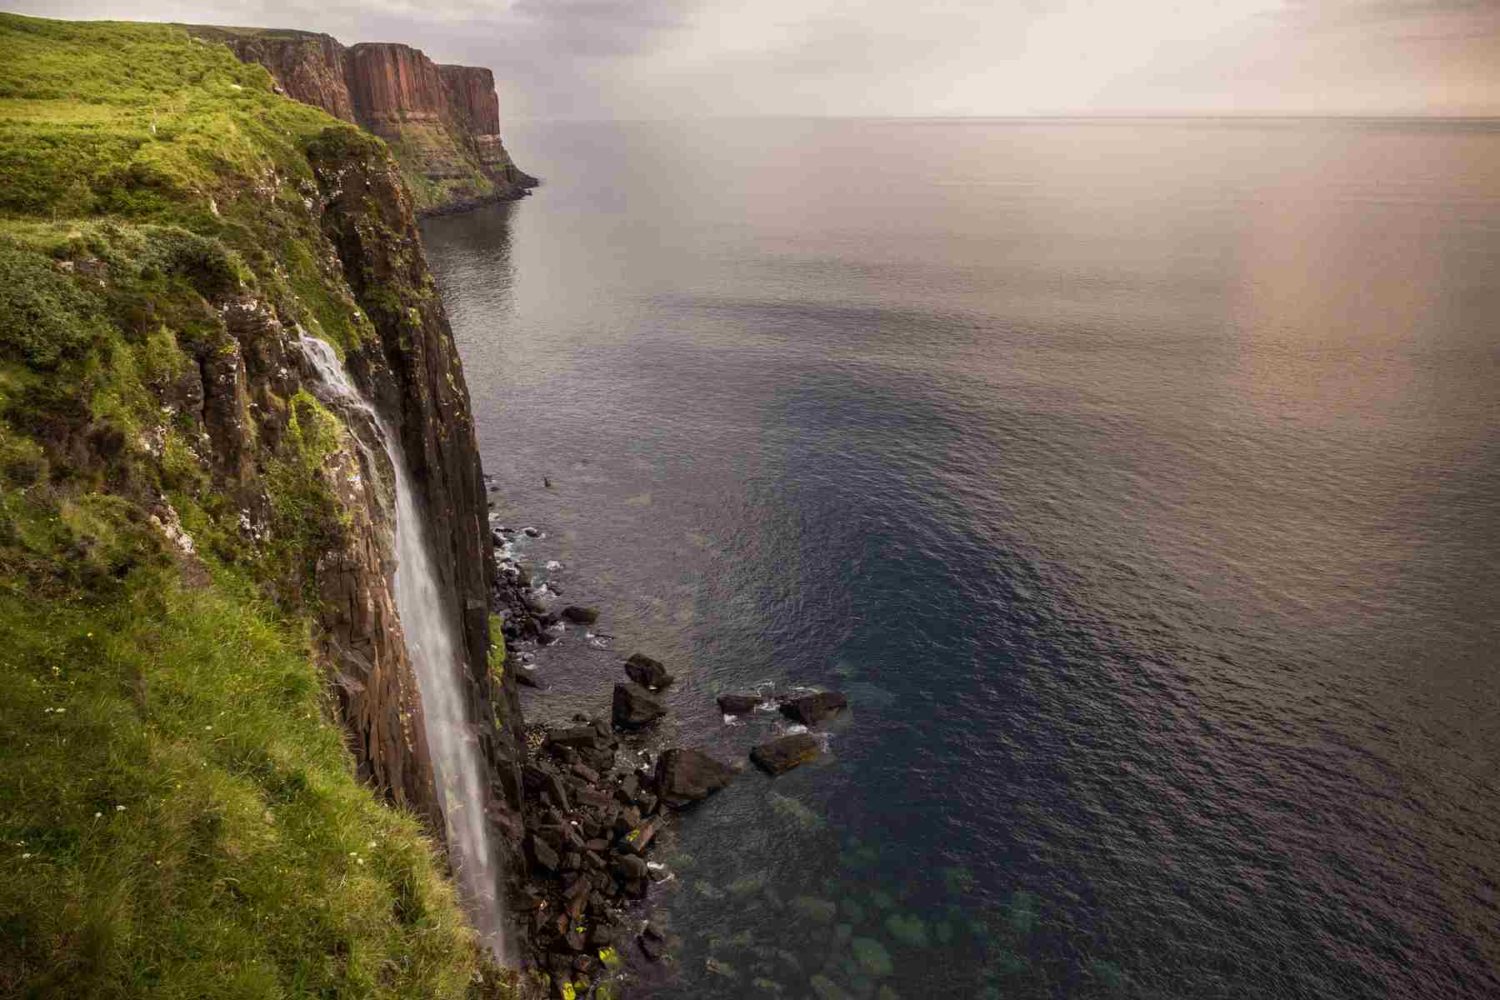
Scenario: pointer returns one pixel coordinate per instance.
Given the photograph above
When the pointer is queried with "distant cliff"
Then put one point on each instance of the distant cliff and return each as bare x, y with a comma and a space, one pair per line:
442, 122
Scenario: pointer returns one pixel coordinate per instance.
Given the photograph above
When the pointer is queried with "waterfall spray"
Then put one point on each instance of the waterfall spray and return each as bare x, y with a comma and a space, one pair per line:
435, 651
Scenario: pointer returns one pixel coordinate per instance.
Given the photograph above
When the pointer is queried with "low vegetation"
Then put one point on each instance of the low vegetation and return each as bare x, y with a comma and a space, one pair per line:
178, 814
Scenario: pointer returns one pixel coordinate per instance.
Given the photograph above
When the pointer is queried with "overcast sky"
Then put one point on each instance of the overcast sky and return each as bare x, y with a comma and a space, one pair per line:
673, 58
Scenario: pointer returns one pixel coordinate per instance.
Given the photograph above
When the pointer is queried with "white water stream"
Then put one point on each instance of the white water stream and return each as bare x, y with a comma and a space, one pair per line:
436, 653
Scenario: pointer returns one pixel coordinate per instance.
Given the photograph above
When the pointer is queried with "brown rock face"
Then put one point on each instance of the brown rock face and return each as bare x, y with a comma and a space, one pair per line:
247, 393
443, 122
392, 83
309, 67
411, 370
472, 98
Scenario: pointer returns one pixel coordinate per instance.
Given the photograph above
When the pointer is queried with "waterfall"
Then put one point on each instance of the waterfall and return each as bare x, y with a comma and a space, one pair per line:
436, 653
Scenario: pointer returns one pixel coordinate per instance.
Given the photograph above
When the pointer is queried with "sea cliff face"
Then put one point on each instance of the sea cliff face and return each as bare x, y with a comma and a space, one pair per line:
209, 703
442, 122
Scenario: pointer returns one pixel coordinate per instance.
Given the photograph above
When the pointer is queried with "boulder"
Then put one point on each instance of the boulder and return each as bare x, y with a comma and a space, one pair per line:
639, 839
634, 707
543, 854
687, 776
811, 709
782, 754
647, 672
579, 615
630, 867
577, 737
738, 704
652, 948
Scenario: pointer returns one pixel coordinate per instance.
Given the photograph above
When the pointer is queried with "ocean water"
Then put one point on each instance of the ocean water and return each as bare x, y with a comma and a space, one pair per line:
1138, 481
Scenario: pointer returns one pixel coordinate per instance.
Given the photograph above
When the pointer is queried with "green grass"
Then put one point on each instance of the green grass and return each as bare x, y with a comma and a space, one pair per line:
178, 819
422, 142
137, 122
179, 816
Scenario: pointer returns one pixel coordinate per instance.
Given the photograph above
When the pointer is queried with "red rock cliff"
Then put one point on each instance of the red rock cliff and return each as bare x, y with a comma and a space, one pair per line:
443, 122
472, 97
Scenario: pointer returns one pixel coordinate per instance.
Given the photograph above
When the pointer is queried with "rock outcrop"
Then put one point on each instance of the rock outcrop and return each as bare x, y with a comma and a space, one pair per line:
442, 122
786, 752
188, 473
411, 369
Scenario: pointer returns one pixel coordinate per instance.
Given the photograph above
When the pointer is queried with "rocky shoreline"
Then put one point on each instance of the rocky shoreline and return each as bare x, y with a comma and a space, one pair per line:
596, 798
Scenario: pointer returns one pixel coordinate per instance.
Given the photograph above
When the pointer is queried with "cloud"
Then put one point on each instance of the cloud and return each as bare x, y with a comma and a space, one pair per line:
663, 58
600, 27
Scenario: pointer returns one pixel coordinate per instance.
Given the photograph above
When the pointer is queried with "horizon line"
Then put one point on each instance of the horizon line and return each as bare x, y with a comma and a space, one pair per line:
1106, 116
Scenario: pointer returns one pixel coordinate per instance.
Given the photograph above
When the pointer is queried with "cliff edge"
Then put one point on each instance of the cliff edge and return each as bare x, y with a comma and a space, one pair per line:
441, 122
214, 777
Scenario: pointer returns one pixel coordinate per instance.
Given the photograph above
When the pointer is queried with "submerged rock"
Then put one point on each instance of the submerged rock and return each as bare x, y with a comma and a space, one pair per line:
647, 672
872, 957
579, 615
907, 930
811, 709
738, 704
652, 947
783, 754
686, 776
795, 812
821, 911
826, 989
633, 707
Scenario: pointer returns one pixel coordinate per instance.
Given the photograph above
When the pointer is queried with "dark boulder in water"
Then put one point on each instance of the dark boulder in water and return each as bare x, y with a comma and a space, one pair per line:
811, 709
687, 776
647, 672
783, 754
738, 704
580, 615
634, 707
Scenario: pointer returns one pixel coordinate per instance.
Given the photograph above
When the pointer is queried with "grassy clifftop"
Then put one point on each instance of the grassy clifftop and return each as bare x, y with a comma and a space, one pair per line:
179, 816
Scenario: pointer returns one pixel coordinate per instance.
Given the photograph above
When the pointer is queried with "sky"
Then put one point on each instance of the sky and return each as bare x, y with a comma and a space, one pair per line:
591, 59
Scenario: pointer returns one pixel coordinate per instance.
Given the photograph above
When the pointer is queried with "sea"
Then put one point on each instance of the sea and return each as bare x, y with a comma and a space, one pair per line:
1137, 480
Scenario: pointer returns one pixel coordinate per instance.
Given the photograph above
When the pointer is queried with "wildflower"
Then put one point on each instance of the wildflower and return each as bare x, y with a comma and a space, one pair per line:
26, 857
119, 809
98, 815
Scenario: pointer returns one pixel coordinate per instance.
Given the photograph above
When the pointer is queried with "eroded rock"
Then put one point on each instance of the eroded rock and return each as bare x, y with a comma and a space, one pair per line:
685, 776
647, 672
633, 707
811, 709
782, 754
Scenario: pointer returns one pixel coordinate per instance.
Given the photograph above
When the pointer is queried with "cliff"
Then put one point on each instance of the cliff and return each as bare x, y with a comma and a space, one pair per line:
442, 122
209, 706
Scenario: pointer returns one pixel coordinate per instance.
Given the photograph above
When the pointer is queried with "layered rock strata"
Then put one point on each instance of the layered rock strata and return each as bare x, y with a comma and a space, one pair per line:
442, 122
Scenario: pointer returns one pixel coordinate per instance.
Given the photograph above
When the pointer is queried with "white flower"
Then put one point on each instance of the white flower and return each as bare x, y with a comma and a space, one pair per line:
119, 809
